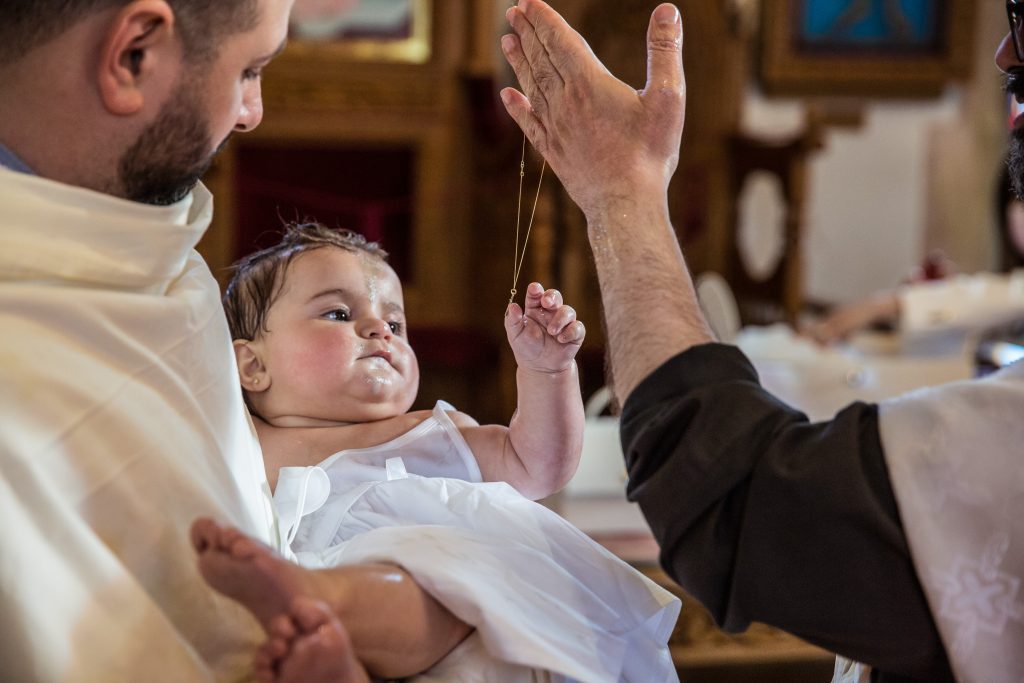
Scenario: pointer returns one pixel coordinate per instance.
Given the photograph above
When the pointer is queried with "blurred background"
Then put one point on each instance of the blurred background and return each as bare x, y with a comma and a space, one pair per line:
831, 148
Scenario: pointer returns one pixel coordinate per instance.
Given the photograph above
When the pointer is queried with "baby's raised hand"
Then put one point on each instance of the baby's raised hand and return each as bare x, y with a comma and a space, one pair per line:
546, 336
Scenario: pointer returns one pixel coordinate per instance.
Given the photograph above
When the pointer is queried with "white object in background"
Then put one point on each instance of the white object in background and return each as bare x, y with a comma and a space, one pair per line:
594, 501
597, 403
761, 233
602, 469
821, 381
719, 305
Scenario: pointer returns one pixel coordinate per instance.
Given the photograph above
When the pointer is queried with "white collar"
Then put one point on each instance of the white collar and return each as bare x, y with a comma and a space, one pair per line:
52, 231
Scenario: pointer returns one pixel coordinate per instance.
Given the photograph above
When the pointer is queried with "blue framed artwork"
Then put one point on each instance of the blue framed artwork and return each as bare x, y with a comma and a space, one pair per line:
901, 25
900, 48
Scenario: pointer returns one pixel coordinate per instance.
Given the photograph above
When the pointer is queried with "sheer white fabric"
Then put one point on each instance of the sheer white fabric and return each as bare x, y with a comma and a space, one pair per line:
547, 602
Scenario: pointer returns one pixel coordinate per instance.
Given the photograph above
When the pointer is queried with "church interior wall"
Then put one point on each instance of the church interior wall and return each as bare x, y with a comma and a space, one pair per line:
912, 177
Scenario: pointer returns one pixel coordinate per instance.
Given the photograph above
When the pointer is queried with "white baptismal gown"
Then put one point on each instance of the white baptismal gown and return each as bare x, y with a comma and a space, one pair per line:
547, 602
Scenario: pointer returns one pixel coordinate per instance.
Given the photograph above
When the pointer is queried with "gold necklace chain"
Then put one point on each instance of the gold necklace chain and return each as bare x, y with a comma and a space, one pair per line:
520, 258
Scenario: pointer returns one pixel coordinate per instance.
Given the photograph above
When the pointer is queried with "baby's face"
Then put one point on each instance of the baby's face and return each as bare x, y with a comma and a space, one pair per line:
337, 348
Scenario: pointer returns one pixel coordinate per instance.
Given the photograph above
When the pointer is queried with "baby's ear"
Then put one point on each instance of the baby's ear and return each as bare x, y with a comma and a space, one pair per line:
251, 371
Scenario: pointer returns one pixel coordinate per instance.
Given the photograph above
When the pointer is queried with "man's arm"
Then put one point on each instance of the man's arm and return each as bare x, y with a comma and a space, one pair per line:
397, 629
766, 517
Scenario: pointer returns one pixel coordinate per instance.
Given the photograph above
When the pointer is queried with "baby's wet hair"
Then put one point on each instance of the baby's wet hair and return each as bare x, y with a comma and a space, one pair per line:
259, 277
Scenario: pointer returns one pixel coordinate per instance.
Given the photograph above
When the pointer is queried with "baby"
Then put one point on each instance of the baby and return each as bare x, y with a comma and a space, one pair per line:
329, 375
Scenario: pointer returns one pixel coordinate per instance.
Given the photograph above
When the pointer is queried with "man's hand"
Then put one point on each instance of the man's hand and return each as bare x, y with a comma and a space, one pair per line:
546, 336
602, 138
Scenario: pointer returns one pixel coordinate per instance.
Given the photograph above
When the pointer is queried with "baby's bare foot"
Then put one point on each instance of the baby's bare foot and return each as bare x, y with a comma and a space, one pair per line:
318, 647
247, 571
281, 633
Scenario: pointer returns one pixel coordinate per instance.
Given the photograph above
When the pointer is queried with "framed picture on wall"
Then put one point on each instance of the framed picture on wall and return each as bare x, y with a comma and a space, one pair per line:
363, 30
870, 48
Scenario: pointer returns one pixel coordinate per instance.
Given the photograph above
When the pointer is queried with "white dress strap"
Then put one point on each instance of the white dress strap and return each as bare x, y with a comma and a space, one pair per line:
465, 453
395, 468
300, 491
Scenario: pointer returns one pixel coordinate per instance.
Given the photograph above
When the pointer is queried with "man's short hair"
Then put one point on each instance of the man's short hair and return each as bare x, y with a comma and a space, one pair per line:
202, 24
259, 277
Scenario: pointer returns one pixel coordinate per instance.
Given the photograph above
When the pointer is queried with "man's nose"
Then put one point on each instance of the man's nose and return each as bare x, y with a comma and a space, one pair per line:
1006, 56
251, 112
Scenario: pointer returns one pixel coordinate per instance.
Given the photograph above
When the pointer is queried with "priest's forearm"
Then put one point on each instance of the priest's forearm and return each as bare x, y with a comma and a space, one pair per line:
650, 305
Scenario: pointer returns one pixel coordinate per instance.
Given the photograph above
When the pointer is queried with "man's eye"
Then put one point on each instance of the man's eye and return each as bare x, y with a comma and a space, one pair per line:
251, 74
339, 314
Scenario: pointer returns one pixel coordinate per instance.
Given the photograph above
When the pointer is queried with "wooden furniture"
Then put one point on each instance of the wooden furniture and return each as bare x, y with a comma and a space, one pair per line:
778, 294
704, 653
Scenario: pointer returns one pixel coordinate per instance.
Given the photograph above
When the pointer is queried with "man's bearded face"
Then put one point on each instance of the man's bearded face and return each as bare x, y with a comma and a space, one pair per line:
172, 153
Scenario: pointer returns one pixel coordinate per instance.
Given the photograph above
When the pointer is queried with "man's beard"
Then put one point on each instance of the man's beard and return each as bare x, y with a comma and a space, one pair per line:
1014, 87
1015, 160
171, 154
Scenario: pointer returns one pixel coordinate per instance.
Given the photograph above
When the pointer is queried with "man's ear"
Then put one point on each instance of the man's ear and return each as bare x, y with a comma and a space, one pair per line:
140, 41
254, 376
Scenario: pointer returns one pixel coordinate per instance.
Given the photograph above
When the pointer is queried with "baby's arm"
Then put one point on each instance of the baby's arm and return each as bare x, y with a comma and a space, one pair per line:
540, 449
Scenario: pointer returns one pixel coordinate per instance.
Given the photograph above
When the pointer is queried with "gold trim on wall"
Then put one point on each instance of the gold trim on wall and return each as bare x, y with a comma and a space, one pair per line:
416, 49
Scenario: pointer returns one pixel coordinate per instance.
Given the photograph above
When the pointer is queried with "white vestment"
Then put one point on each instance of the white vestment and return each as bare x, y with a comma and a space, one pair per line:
123, 421
547, 602
955, 455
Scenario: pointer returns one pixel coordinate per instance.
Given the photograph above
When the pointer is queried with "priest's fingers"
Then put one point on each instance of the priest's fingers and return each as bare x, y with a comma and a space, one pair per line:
563, 47
665, 80
537, 76
518, 105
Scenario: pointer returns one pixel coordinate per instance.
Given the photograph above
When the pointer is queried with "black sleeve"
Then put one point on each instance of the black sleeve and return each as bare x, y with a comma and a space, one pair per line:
763, 516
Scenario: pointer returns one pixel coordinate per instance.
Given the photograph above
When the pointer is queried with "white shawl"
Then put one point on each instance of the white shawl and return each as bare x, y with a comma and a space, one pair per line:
956, 460
122, 421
